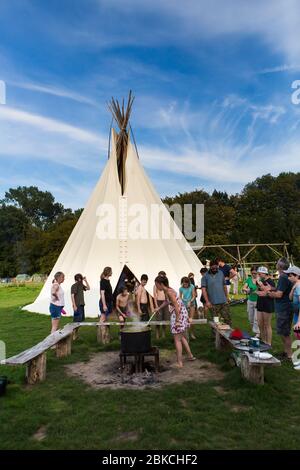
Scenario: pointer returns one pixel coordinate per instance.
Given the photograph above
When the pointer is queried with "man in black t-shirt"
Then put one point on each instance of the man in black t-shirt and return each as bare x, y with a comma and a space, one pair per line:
283, 308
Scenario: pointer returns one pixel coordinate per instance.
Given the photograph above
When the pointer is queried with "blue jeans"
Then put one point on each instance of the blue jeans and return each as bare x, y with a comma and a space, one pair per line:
79, 314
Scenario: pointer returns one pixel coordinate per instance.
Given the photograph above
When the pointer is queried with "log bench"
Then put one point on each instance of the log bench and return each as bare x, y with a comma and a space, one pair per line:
252, 368
35, 358
223, 342
99, 325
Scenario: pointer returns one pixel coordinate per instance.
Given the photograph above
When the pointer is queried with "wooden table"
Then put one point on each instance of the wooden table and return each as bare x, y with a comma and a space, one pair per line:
252, 368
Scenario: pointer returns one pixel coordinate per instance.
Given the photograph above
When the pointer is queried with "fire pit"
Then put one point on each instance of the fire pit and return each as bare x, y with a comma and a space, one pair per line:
136, 339
136, 342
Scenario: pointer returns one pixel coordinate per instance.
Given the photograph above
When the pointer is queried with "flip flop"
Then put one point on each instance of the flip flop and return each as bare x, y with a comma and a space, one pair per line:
192, 358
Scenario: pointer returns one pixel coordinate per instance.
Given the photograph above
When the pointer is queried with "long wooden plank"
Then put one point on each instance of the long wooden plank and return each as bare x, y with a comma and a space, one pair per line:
202, 321
255, 360
41, 347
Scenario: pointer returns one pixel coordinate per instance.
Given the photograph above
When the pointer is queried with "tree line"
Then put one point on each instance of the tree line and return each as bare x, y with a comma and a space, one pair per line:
34, 227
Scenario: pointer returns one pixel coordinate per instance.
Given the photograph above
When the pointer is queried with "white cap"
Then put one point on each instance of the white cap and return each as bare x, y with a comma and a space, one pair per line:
293, 270
263, 270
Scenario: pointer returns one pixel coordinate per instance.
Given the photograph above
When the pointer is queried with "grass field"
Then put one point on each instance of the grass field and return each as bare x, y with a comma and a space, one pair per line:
230, 414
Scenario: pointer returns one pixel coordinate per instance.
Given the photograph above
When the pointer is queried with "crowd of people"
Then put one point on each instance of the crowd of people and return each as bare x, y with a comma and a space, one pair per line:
181, 306
266, 298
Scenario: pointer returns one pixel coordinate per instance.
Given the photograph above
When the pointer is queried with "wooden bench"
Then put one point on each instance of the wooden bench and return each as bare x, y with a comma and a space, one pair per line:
252, 368
223, 342
99, 325
35, 358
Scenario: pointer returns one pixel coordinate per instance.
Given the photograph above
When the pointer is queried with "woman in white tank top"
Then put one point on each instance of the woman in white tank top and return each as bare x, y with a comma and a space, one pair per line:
57, 301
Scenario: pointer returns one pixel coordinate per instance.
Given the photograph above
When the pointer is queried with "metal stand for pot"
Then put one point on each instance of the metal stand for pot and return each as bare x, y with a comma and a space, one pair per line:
139, 359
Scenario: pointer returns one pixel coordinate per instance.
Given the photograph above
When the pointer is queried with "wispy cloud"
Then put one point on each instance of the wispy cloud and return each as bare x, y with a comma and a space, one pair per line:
279, 68
275, 22
55, 91
49, 125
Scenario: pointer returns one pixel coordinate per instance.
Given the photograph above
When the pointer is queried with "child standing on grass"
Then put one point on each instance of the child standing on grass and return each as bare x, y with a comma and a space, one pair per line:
187, 294
77, 294
57, 301
122, 305
142, 299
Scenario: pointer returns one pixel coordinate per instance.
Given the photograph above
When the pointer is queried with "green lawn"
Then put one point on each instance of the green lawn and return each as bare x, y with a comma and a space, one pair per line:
187, 416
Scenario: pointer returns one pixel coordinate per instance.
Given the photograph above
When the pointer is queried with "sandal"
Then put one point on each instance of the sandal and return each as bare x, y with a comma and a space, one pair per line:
193, 358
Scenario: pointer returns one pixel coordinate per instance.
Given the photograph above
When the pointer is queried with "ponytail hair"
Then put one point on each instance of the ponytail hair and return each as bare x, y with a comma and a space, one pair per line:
57, 276
106, 272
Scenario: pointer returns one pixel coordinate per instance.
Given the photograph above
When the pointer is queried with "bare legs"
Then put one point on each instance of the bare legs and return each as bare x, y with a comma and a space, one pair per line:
265, 327
104, 330
157, 331
122, 321
180, 340
192, 315
287, 345
55, 324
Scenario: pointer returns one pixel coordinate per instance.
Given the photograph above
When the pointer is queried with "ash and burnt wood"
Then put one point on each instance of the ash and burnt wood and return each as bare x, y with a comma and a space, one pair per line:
139, 360
121, 114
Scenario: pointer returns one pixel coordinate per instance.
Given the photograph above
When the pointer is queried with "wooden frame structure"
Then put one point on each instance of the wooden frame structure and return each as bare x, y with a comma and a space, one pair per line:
279, 249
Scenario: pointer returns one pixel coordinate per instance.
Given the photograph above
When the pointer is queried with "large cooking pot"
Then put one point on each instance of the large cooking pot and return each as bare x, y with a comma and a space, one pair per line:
136, 339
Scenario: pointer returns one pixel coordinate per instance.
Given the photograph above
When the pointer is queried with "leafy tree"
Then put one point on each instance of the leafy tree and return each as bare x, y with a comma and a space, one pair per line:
13, 227
39, 206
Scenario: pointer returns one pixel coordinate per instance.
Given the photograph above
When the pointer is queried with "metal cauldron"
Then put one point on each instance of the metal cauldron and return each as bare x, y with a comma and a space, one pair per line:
136, 339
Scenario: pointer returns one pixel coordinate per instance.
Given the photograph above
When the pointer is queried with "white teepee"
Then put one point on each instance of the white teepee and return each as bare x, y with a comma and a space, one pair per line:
133, 240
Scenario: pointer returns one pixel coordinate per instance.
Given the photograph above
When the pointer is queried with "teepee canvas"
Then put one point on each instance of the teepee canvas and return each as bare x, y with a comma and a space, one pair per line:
118, 228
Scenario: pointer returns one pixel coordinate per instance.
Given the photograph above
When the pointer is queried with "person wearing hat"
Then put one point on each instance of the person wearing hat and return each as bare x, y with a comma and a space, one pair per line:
265, 305
283, 308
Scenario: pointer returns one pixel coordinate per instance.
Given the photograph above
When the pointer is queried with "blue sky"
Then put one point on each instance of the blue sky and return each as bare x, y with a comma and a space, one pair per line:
212, 80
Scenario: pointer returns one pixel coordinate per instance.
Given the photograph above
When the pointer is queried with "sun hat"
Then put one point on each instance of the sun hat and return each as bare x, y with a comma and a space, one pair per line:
293, 270
263, 270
